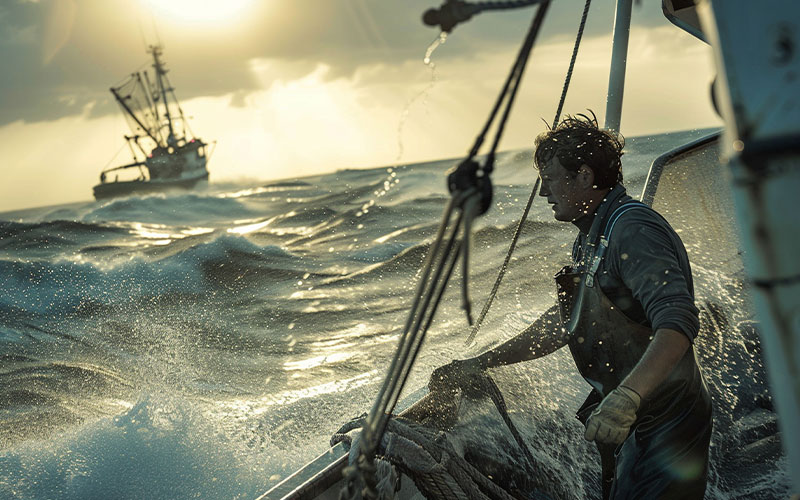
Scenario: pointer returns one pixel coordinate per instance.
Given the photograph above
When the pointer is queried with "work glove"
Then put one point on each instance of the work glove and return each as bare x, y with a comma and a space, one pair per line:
458, 374
611, 421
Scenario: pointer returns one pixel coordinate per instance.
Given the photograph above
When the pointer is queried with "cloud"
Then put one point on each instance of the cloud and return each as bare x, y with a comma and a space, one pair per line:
79, 48
301, 117
57, 28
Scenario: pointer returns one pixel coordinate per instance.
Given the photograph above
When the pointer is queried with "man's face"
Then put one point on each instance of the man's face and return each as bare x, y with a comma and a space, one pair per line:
563, 191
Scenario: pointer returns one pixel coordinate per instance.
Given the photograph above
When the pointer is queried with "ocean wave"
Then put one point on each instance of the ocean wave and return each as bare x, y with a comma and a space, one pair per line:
151, 449
39, 396
170, 209
302, 217
406, 262
63, 286
50, 234
401, 258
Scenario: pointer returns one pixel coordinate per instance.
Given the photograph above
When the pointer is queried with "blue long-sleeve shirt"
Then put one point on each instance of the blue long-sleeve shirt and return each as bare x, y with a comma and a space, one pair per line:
645, 271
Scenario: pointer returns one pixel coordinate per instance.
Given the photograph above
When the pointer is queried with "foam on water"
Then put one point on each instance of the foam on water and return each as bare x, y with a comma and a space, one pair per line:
148, 451
61, 286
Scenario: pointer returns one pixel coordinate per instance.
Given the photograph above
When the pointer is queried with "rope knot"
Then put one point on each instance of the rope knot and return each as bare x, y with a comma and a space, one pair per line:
468, 179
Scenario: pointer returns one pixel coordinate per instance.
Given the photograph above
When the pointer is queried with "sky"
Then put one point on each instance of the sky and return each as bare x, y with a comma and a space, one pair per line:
289, 88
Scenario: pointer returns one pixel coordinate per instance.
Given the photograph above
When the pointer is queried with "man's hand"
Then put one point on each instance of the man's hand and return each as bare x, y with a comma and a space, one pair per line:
611, 421
457, 374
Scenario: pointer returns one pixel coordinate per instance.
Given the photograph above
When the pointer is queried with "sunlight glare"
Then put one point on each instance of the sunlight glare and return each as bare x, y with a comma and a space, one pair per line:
199, 10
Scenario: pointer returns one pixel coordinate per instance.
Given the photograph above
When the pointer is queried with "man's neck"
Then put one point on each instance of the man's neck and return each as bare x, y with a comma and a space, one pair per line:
584, 223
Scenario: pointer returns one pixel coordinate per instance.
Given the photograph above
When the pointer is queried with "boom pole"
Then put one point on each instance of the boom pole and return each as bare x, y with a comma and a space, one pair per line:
132, 114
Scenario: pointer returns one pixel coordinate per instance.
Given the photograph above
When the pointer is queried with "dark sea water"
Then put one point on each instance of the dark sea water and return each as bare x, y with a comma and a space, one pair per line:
207, 344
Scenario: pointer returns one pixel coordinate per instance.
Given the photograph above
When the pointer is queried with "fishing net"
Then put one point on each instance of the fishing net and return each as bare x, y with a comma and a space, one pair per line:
473, 455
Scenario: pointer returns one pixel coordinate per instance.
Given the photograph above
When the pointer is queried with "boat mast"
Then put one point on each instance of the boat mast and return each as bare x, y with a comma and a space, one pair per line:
160, 72
619, 59
152, 101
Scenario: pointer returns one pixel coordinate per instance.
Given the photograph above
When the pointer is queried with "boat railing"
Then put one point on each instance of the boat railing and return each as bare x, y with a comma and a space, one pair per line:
136, 164
657, 167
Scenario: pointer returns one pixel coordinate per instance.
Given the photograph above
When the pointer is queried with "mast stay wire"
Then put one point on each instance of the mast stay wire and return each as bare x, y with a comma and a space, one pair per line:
504, 267
470, 188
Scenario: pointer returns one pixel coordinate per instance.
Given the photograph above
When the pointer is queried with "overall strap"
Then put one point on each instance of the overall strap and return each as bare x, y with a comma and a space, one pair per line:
606, 236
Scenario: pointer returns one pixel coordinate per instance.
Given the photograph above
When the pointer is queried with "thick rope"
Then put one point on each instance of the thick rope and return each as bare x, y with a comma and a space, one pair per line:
513, 81
513, 78
525, 53
428, 458
454, 12
525, 213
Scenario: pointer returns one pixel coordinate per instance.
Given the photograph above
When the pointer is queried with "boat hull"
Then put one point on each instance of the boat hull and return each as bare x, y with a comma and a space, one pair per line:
126, 188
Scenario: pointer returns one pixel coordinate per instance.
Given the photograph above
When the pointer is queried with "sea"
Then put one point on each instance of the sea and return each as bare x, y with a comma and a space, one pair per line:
207, 344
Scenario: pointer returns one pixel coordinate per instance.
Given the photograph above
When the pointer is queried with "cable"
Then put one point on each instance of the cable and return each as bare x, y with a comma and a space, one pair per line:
568, 78
518, 230
504, 267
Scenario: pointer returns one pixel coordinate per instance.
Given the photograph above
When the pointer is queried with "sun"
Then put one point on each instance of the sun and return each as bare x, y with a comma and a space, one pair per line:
199, 11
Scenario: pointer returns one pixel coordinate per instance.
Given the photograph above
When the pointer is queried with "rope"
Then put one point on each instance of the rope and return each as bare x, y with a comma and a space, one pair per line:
513, 81
117, 154
497, 398
430, 460
504, 267
476, 327
572, 63
362, 473
468, 194
455, 12
515, 73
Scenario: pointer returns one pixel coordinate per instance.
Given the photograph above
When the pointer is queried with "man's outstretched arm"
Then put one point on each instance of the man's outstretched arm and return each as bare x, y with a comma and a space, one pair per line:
544, 336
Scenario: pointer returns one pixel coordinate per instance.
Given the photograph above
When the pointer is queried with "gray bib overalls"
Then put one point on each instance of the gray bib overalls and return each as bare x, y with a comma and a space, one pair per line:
666, 453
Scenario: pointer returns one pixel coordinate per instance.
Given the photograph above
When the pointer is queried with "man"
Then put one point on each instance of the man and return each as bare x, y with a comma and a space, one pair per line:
627, 313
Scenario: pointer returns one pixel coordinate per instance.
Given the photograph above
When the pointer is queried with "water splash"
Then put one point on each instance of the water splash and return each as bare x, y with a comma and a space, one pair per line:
391, 179
440, 40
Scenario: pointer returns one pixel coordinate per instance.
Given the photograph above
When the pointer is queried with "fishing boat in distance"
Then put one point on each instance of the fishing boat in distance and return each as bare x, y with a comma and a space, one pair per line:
166, 154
